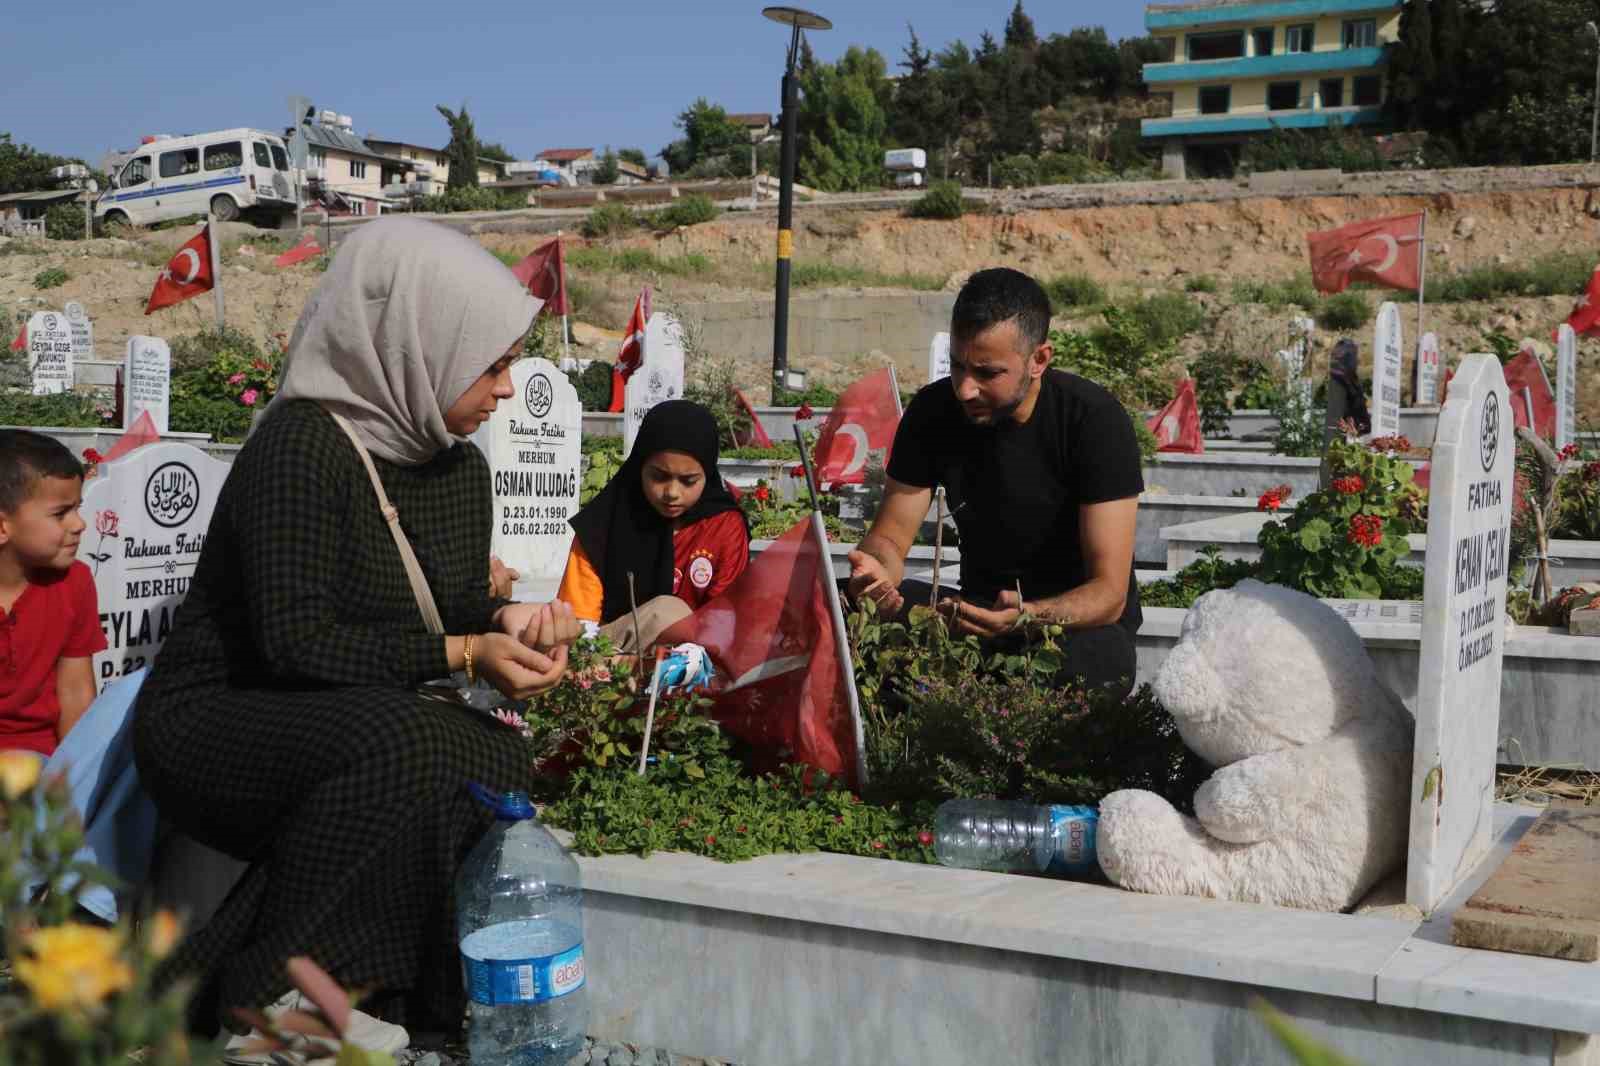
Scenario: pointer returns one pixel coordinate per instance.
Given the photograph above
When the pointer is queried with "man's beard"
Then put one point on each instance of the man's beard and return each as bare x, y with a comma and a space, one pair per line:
994, 416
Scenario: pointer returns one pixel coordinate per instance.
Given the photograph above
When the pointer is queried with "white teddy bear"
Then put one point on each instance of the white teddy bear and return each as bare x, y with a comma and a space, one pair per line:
1309, 804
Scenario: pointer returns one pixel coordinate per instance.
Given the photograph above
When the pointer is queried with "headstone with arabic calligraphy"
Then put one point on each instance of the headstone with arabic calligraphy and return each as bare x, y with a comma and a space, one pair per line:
147, 381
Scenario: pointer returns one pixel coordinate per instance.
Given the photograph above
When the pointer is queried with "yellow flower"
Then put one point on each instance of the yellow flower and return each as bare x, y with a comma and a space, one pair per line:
73, 967
19, 771
162, 933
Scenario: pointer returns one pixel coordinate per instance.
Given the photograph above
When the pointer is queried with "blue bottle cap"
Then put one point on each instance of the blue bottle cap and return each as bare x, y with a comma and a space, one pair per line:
507, 806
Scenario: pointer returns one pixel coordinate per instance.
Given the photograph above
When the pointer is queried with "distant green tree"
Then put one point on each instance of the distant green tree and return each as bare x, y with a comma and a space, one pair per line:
635, 156
1019, 30
843, 122
707, 132
462, 151
607, 172
25, 169
494, 150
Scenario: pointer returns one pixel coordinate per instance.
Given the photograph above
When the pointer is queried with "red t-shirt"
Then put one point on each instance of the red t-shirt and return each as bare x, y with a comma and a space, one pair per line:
706, 558
56, 617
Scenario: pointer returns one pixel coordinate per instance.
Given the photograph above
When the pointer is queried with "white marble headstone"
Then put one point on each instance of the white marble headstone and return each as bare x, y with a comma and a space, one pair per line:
82, 330
50, 352
533, 443
1566, 386
1386, 361
1427, 386
147, 515
939, 357
659, 377
1463, 632
147, 381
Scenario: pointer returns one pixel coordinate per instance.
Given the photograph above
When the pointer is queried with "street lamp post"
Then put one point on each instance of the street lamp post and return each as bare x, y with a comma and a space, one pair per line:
1594, 124
798, 21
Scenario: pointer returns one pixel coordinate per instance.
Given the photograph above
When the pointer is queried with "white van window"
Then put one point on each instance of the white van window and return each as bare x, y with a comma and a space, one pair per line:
183, 161
280, 158
224, 155
137, 172
262, 158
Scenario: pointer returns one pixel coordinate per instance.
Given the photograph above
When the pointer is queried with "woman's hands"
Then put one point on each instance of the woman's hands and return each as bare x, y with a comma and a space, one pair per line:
517, 670
501, 578
539, 625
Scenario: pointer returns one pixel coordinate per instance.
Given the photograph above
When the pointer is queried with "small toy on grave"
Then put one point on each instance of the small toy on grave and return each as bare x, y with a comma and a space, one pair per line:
1309, 804
686, 667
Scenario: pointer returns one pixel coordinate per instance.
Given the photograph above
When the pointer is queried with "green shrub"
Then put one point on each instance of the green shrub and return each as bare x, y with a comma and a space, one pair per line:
810, 274
1344, 311
1070, 168
1553, 274
1213, 377
1336, 147
687, 211
1258, 389
1296, 292
1075, 290
594, 386
50, 278
222, 396
472, 198
819, 397
942, 200
57, 409
637, 261
64, 222
1201, 283
1167, 317
609, 220
193, 350
1016, 172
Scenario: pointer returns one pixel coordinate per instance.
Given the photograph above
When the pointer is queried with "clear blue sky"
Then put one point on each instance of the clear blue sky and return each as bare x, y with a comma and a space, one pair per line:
96, 75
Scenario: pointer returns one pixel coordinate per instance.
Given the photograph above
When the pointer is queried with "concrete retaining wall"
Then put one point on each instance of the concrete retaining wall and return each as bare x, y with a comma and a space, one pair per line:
830, 325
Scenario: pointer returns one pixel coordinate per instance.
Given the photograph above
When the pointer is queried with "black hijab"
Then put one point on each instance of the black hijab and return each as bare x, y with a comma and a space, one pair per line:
620, 531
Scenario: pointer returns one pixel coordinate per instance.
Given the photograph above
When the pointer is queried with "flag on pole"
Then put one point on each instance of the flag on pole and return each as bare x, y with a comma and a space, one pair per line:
1528, 385
306, 249
756, 435
1177, 425
862, 420
21, 343
544, 272
771, 636
142, 432
187, 274
631, 355
1585, 317
1383, 251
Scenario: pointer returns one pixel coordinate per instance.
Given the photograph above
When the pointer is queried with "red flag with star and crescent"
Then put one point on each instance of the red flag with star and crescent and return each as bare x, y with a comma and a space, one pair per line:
187, 274
544, 272
307, 248
21, 343
1383, 251
1585, 317
631, 355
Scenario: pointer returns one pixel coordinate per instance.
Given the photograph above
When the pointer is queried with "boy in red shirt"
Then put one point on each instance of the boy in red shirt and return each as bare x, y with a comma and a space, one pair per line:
49, 616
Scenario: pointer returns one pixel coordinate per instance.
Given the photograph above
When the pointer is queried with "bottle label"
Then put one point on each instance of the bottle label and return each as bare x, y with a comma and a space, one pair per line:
1074, 827
493, 982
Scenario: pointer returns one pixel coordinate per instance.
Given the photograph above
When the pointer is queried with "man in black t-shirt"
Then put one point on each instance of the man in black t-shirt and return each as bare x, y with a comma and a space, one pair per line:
1041, 470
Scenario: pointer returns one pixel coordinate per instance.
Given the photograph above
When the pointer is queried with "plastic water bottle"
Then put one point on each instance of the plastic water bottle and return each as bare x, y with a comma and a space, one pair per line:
520, 925
1010, 837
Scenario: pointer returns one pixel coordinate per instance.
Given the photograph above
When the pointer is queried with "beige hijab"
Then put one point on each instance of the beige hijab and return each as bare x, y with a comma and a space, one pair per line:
409, 315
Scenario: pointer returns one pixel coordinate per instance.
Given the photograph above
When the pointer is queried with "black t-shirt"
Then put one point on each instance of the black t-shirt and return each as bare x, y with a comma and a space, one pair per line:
1015, 490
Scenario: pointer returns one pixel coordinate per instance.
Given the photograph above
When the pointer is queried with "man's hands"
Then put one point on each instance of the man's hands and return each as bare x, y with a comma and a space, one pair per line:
870, 578
1003, 618
517, 670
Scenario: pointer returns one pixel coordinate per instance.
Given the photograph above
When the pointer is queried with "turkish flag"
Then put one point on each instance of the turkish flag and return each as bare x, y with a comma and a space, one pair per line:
863, 419
631, 354
1585, 317
544, 272
307, 248
1384, 251
756, 435
21, 343
142, 432
1177, 425
187, 274
771, 637
1526, 382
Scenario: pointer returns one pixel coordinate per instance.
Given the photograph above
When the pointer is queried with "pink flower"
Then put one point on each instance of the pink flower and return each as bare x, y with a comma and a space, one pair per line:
105, 523
584, 683
249, 397
514, 721
236, 378
601, 674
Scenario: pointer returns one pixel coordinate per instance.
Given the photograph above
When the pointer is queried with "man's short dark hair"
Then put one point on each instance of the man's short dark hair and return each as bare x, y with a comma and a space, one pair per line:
25, 457
998, 295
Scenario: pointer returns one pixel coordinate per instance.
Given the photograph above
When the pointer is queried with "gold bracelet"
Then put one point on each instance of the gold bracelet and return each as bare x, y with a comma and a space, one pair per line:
466, 650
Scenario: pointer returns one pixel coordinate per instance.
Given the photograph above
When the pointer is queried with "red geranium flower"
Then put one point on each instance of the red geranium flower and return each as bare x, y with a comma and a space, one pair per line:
925, 838
711, 838
1270, 501
1569, 452
1349, 485
1366, 530
803, 412
763, 494
797, 471
1592, 472
93, 457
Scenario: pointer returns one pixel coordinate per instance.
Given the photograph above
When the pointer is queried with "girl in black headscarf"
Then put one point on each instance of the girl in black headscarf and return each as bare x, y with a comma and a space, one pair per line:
667, 518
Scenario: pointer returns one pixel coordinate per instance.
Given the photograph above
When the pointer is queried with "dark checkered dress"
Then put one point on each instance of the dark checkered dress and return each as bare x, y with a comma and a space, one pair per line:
279, 724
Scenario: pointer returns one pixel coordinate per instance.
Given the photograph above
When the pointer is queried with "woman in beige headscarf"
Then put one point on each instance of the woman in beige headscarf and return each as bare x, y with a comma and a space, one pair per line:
282, 722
